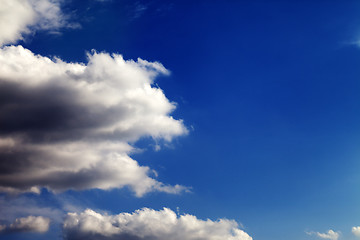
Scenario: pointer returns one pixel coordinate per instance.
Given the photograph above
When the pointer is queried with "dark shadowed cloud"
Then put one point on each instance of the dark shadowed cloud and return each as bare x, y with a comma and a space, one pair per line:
71, 125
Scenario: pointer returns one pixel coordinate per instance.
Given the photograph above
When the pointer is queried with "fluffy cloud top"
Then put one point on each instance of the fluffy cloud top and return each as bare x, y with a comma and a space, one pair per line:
148, 224
71, 125
332, 235
21, 17
356, 231
27, 224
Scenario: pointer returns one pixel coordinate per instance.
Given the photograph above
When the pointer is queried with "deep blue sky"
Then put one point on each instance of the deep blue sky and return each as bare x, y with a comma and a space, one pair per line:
270, 91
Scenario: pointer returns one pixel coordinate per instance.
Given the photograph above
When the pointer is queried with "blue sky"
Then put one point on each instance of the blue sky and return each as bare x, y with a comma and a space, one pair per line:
265, 131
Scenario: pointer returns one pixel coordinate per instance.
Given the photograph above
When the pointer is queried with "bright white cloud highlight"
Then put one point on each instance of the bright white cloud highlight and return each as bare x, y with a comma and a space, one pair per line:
332, 235
20, 17
27, 224
146, 224
356, 231
71, 125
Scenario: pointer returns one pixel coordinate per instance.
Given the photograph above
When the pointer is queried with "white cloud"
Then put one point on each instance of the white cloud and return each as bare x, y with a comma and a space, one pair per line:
332, 235
356, 231
71, 125
148, 224
27, 224
21, 17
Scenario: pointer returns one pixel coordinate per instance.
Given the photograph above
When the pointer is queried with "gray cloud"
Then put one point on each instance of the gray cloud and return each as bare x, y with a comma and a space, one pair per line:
71, 125
148, 224
27, 224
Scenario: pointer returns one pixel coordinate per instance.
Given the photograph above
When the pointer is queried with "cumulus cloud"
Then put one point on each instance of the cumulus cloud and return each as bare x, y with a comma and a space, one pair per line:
27, 224
332, 235
21, 17
72, 125
148, 224
356, 231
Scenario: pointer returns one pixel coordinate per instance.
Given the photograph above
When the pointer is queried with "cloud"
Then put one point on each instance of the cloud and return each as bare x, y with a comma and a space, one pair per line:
27, 224
136, 10
72, 125
148, 224
356, 231
12, 207
329, 235
21, 17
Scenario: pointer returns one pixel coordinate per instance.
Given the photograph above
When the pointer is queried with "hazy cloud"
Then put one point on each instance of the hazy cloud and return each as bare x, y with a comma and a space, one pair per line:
71, 125
148, 224
356, 231
27, 224
13, 207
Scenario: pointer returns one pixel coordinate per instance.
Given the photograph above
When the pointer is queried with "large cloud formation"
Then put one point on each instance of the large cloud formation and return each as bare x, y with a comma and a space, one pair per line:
27, 224
69, 125
148, 224
21, 17
73, 125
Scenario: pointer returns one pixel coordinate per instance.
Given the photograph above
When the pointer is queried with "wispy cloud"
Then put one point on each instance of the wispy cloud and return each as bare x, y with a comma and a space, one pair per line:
13, 207
332, 235
21, 17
